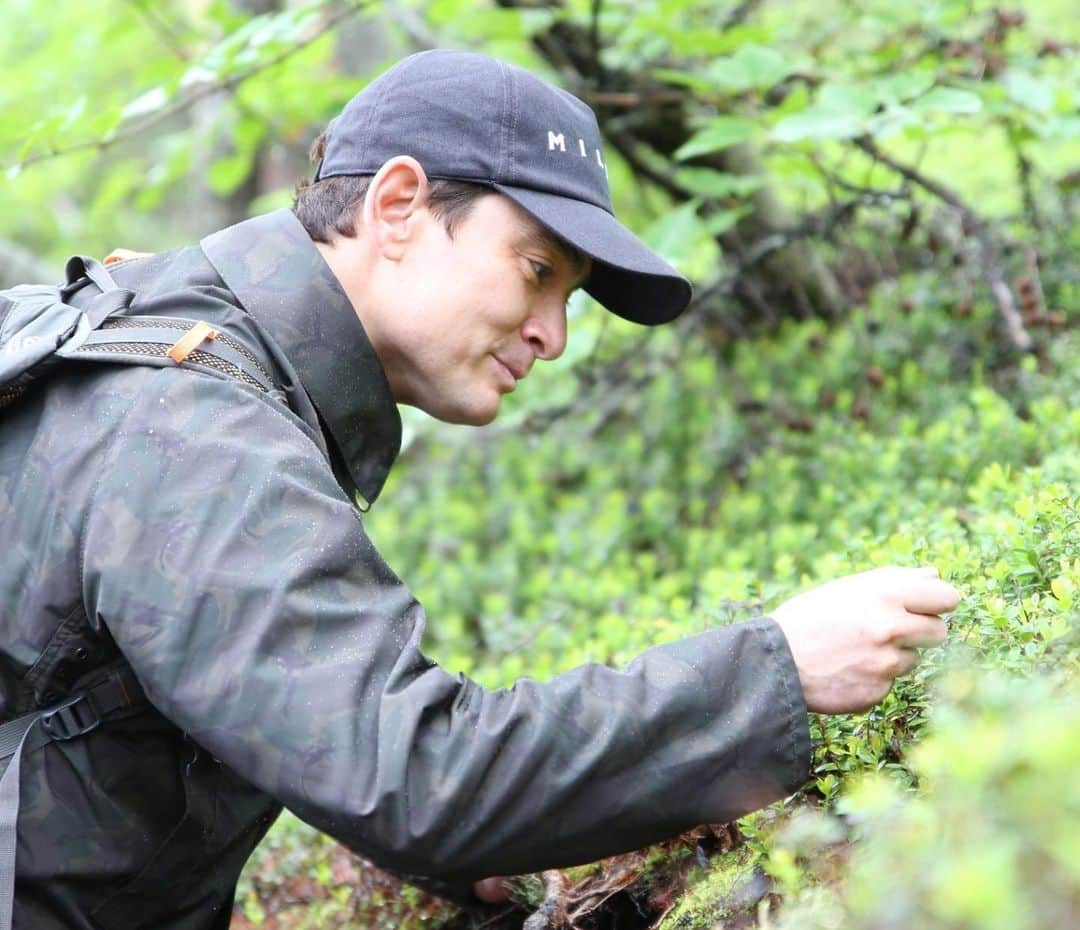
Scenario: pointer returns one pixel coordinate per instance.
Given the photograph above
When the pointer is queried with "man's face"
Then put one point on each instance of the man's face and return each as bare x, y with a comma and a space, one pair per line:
473, 312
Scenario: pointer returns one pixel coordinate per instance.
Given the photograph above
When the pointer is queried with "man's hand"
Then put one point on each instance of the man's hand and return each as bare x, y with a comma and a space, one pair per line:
851, 637
123, 255
491, 890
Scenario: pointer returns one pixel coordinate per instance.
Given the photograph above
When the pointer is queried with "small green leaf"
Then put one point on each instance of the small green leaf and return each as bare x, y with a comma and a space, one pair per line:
1028, 91
817, 123
684, 240
948, 100
704, 182
902, 86
670, 235
723, 132
150, 102
719, 223
751, 67
678, 78
74, 113
840, 112
1064, 128
228, 173
198, 74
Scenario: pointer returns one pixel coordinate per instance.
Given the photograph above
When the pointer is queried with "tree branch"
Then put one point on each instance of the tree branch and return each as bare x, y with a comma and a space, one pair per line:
162, 27
551, 914
594, 28
421, 37
979, 227
738, 15
179, 106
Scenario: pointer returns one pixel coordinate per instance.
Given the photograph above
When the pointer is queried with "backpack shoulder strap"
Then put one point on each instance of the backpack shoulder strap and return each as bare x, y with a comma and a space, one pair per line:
173, 341
39, 328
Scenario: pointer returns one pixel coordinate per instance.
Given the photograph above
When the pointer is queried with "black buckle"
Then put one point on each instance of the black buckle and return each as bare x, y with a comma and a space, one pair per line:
76, 716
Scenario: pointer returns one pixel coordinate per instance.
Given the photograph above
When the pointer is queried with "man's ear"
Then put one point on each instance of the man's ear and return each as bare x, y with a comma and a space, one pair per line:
393, 207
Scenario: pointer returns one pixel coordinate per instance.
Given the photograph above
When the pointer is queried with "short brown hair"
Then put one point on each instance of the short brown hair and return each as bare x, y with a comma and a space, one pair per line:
328, 207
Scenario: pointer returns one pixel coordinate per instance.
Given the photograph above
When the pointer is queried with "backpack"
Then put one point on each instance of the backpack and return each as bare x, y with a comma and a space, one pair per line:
40, 332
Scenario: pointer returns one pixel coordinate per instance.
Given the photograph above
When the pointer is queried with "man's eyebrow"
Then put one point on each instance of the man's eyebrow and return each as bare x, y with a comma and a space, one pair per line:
541, 238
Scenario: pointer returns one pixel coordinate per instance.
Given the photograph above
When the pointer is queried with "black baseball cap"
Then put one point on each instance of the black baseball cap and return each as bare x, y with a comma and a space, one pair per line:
468, 117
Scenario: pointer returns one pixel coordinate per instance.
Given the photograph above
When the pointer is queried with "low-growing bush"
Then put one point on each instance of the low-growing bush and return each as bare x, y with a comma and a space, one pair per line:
717, 487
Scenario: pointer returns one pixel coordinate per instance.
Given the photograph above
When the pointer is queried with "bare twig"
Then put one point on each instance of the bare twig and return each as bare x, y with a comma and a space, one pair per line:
1024, 171
421, 37
936, 188
1031, 289
626, 145
594, 29
179, 106
867, 195
631, 99
979, 227
495, 919
739, 14
162, 27
592, 893
551, 914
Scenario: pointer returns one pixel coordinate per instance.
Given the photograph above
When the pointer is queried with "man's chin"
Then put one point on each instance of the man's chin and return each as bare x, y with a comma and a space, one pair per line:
478, 414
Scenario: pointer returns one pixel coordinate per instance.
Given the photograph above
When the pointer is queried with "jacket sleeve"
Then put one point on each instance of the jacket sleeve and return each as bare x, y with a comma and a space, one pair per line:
238, 581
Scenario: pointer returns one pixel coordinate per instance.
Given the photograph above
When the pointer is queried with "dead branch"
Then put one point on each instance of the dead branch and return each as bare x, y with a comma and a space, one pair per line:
551, 914
979, 227
1025, 175
592, 893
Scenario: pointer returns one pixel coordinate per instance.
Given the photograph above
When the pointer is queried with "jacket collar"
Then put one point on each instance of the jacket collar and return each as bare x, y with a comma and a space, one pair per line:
281, 280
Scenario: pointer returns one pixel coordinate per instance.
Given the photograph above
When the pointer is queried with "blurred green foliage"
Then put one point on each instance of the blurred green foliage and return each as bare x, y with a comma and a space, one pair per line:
597, 535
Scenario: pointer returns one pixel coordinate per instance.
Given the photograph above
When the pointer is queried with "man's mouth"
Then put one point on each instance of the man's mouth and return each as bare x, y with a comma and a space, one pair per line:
518, 370
510, 376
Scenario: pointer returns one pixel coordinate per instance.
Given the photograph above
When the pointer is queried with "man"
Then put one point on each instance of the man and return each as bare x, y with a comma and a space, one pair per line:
202, 535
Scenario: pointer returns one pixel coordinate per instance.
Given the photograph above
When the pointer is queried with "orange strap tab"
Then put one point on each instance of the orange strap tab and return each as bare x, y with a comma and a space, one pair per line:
190, 341
123, 255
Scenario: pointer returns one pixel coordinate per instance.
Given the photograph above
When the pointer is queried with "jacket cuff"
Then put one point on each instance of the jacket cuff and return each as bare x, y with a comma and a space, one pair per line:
795, 747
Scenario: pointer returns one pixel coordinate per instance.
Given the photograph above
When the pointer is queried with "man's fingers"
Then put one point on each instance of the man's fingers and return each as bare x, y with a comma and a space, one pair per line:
920, 632
929, 595
123, 255
909, 658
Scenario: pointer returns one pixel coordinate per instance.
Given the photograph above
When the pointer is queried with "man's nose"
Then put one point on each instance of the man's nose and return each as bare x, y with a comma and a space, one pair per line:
545, 328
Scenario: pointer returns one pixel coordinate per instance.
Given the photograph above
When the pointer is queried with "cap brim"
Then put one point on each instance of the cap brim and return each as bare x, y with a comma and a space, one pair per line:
627, 277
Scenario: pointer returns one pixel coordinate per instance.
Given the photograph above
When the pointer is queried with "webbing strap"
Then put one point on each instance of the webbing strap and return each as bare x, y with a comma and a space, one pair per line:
9, 815
106, 304
128, 340
73, 717
143, 339
80, 266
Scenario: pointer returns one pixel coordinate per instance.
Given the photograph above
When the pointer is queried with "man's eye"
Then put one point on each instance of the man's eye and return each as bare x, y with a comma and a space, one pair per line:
542, 271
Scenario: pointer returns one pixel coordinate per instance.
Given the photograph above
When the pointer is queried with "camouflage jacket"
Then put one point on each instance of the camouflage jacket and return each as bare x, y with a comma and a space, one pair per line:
207, 534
